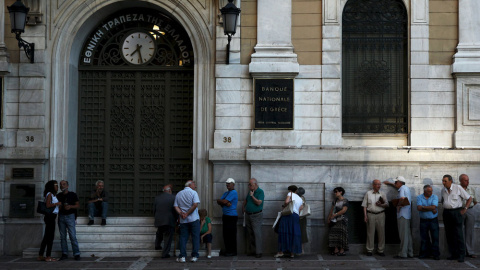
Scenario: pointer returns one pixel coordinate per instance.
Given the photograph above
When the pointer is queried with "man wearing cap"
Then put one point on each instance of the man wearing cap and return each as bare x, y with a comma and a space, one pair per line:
165, 218
228, 202
374, 204
404, 215
469, 217
427, 204
453, 213
252, 209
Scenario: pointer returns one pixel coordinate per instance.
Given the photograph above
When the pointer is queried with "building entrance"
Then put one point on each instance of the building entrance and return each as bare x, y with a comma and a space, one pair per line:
135, 125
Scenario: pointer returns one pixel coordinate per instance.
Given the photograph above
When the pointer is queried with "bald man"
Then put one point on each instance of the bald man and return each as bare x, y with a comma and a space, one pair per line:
374, 204
165, 217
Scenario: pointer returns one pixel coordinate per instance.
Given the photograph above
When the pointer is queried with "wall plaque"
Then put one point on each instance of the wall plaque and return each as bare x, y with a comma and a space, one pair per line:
22, 173
273, 103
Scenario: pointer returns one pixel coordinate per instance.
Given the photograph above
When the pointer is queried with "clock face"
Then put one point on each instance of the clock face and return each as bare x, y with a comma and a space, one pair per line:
138, 48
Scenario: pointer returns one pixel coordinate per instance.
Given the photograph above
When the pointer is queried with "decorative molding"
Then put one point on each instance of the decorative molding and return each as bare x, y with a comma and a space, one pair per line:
35, 15
471, 104
420, 10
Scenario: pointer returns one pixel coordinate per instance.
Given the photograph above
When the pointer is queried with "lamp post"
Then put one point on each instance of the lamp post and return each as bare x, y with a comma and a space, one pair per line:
18, 18
230, 16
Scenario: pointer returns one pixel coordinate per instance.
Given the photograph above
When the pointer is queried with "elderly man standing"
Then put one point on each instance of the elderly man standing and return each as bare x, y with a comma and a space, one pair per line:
186, 205
404, 215
252, 209
374, 204
427, 204
469, 217
165, 217
453, 213
228, 202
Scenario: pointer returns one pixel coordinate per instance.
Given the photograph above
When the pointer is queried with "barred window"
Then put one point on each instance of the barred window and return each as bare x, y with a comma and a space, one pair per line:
374, 67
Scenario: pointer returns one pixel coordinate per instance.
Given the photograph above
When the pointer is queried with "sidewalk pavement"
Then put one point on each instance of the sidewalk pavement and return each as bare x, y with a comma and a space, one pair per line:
239, 262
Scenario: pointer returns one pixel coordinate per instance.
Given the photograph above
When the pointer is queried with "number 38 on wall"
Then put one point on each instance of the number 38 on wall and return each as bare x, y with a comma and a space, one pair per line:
227, 139
30, 139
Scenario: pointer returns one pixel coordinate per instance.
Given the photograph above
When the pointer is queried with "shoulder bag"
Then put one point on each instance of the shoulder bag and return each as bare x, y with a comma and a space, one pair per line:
43, 209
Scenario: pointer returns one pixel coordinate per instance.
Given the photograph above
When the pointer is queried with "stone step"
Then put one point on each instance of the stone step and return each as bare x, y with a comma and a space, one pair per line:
33, 253
109, 236
119, 229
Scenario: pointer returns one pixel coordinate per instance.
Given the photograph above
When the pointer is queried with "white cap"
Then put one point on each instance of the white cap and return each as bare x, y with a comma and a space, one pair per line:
400, 178
230, 180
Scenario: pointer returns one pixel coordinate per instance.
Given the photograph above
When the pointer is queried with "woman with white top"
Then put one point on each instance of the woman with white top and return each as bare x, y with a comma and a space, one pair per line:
289, 234
50, 192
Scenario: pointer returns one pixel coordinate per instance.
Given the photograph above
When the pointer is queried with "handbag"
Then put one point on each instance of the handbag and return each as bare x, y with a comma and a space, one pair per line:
288, 209
43, 209
305, 211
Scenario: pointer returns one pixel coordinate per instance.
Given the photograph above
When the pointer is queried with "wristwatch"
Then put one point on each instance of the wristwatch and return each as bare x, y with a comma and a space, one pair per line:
466, 208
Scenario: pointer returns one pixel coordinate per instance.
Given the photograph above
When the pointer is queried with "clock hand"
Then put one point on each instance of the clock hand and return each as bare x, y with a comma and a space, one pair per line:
140, 53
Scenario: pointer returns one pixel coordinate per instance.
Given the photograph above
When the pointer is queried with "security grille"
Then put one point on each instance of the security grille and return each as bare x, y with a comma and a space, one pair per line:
374, 67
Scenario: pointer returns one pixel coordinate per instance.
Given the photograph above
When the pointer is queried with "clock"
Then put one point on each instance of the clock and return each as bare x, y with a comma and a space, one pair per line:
138, 48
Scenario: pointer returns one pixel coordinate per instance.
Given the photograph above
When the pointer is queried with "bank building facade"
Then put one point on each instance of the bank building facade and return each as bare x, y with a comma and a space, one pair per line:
316, 93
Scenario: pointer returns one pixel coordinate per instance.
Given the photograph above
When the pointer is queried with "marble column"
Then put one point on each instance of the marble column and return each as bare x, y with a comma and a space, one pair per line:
274, 56
466, 69
4, 55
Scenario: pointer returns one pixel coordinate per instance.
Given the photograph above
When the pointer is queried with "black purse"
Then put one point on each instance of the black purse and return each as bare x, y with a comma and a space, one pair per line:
43, 209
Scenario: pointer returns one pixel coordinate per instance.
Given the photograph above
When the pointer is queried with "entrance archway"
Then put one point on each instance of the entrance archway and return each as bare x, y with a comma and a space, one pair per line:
135, 109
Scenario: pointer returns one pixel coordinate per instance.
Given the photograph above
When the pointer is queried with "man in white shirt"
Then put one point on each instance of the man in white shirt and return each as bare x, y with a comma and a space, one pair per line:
453, 212
374, 204
469, 217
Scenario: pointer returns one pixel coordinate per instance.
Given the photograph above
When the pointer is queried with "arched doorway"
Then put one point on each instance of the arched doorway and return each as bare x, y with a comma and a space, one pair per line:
135, 109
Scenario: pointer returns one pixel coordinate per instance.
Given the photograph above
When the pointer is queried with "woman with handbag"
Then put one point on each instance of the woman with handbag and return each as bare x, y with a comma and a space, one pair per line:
289, 234
50, 192
338, 235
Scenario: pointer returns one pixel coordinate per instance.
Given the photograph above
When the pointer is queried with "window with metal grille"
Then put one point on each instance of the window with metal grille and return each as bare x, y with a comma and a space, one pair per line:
374, 67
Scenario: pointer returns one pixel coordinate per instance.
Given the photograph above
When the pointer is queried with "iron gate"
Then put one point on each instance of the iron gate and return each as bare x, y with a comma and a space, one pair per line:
135, 133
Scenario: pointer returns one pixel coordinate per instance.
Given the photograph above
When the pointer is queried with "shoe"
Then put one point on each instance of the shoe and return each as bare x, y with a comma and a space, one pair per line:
259, 255
436, 258
90, 222
181, 259
104, 222
410, 256
341, 254
40, 258
472, 256
278, 255
399, 257
369, 253
166, 256
77, 257
209, 256
461, 259
381, 254
194, 259
50, 259
64, 257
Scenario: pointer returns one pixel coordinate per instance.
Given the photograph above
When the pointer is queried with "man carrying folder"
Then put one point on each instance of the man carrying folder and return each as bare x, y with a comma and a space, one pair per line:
404, 215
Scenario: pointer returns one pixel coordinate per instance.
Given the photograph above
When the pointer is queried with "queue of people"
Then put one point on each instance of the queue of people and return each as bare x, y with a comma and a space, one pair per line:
182, 209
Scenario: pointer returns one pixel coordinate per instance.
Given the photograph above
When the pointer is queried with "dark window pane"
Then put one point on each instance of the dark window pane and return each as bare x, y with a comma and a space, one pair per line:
374, 72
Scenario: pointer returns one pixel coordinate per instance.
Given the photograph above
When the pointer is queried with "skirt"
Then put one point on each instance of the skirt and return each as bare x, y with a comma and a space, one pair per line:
289, 234
338, 235
303, 229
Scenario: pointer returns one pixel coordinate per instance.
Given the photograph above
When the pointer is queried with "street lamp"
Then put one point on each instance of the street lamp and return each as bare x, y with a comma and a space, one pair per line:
18, 18
230, 16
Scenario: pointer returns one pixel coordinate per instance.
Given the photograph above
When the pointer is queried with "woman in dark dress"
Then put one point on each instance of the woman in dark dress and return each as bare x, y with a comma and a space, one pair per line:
338, 235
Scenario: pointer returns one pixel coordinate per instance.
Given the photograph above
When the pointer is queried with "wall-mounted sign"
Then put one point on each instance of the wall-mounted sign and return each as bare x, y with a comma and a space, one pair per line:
273, 103
22, 173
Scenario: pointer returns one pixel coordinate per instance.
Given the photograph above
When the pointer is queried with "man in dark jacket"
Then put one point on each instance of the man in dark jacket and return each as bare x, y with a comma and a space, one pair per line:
165, 217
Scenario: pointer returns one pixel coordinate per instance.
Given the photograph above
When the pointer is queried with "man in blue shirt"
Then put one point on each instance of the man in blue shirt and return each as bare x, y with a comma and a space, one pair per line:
404, 216
228, 202
427, 204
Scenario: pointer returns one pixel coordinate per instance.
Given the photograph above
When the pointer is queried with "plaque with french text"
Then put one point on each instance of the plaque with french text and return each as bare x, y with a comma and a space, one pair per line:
273, 103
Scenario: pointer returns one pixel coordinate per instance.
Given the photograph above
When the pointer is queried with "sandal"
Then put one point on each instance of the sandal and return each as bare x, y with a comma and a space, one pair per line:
50, 259
278, 255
